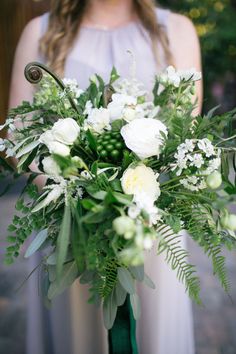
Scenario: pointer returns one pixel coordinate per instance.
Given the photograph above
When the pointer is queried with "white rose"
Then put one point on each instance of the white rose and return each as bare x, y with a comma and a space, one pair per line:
46, 137
118, 103
66, 131
57, 148
50, 166
98, 120
141, 180
143, 136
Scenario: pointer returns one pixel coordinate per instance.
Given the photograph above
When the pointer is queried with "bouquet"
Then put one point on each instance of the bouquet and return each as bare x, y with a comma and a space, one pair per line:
123, 171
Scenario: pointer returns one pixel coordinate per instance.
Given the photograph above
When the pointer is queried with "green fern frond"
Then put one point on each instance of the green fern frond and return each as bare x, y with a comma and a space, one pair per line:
218, 262
106, 280
201, 226
176, 256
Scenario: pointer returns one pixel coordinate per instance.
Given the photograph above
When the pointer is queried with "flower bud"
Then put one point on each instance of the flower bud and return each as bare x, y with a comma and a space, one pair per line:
123, 225
229, 222
214, 180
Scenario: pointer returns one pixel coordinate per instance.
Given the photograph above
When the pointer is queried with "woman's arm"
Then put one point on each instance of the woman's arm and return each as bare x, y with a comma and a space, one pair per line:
26, 51
185, 48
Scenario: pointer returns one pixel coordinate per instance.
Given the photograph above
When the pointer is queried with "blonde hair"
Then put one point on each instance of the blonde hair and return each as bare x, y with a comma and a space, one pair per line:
64, 22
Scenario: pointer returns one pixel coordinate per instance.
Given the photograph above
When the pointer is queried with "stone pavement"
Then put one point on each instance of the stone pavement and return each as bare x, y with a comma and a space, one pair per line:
215, 324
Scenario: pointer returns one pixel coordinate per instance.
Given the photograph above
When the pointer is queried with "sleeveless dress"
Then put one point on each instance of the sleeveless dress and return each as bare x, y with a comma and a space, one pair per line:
72, 326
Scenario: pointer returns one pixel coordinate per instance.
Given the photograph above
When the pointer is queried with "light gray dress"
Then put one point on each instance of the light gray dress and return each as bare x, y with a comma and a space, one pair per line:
73, 326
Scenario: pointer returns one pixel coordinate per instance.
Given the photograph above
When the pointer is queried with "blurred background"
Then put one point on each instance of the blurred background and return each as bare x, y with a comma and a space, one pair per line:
215, 323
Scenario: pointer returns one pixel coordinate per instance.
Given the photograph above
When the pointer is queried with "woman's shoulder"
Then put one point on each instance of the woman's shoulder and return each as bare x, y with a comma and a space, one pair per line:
180, 23
36, 27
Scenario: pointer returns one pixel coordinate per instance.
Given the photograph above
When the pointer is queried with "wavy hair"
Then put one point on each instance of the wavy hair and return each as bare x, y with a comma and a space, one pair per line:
64, 22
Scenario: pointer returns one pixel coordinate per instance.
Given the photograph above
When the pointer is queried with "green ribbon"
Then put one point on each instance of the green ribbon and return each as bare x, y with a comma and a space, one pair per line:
122, 336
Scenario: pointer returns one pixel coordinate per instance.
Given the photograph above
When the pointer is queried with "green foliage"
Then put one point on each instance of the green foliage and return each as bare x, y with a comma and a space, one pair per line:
216, 27
176, 256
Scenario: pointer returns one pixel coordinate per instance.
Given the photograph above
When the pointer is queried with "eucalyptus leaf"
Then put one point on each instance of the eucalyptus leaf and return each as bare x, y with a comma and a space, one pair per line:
120, 294
36, 243
126, 280
109, 311
63, 239
52, 259
28, 148
136, 306
149, 282
69, 274
137, 272
86, 277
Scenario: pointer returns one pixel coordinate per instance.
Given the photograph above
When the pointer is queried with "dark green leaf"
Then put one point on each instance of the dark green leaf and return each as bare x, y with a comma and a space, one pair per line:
63, 240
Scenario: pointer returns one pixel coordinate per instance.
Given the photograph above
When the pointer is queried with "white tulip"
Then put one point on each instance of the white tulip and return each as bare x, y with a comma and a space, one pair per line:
141, 181
214, 180
57, 148
50, 166
66, 131
143, 136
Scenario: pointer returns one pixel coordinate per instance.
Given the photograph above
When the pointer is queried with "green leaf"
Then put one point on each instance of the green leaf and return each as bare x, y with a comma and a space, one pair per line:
126, 280
28, 148
123, 198
63, 240
69, 273
36, 243
78, 244
120, 294
91, 140
114, 75
136, 306
137, 272
52, 259
149, 282
109, 311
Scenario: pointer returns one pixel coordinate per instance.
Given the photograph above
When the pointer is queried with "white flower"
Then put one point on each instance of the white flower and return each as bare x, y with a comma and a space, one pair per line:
196, 160
55, 193
189, 74
123, 224
141, 181
170, 77
206, 146
144, 136
98, 120
134, 211
57, 148
130, 87
66, 131
147, 243
118, 103
50, 166
88, 108
72, 84
46, 137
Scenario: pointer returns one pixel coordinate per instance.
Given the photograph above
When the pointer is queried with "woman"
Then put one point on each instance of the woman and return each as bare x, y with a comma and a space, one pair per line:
78, 39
